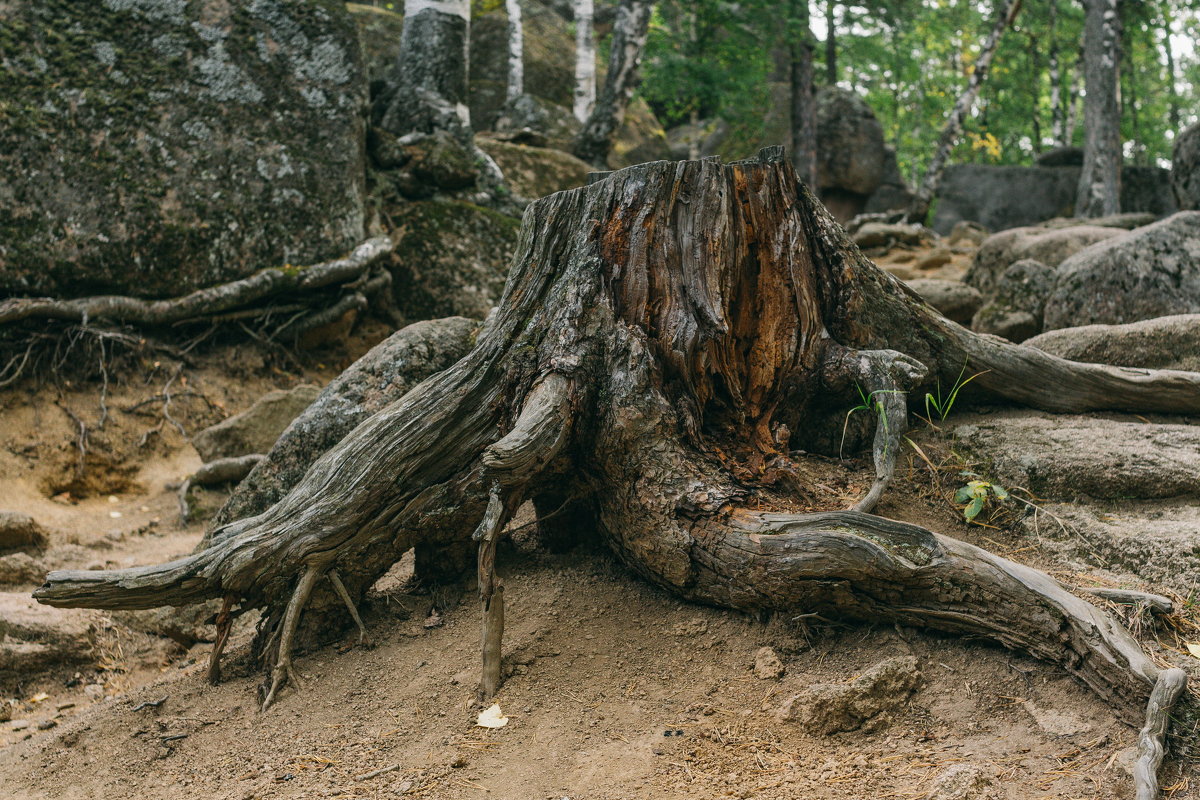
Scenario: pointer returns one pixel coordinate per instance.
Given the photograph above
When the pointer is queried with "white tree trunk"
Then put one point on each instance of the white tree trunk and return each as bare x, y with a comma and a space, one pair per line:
919, 209
628, 41
1099, 191
516, 50
585, 60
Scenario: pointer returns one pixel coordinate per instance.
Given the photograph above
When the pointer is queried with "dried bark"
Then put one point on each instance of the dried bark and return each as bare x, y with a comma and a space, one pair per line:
628, 41
1099, 191
669, 336
952, 130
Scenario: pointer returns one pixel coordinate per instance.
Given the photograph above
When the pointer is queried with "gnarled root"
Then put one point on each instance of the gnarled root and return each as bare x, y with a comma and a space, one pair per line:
1167, 689
291, 620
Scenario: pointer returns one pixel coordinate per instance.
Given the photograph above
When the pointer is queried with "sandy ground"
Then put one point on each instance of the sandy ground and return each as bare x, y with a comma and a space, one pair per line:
617, 690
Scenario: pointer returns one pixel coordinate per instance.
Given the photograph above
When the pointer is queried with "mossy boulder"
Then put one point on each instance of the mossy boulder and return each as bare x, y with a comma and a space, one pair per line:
451, 258
150, 147
535, 172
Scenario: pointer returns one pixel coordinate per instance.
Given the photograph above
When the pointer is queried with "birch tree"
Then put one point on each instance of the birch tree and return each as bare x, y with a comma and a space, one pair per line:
516, 51
585, 60
628, 43
952, 130
1099, 190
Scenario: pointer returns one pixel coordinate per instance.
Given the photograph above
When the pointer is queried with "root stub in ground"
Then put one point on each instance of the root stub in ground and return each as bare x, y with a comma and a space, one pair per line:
669, 335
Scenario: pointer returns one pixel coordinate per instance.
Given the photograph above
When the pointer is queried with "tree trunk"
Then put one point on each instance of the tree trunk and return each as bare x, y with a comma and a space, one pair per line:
670, 337
1057, 111
804, 112
831, 70
923, 199
585, 60
594, 141
1172, 85
1073, 92
428, 88
516, 51
1099, 192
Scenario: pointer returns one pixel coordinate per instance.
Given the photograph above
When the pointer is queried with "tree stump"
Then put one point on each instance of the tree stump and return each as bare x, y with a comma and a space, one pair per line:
669, 337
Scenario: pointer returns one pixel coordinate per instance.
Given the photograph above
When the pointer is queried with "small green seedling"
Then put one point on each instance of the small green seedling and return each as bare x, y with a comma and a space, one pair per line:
868, 402
976, 495
937, 404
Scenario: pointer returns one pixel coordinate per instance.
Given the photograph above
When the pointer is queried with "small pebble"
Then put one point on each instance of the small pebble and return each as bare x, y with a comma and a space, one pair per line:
46, 725
19, 724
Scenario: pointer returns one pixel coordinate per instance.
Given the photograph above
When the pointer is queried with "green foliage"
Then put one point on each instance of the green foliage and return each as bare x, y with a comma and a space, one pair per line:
911, 58
977, 494
936, 403
869, 402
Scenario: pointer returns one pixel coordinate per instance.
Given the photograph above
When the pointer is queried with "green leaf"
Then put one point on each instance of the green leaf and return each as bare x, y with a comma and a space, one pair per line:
963, 495
973, 509
1000, 492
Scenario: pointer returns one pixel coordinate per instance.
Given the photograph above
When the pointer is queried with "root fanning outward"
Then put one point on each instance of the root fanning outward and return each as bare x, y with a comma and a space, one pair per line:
669, 335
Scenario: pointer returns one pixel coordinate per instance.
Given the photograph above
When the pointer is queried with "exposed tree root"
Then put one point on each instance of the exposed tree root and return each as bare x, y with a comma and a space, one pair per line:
668, 336
1167, 689
203, 302
340, 588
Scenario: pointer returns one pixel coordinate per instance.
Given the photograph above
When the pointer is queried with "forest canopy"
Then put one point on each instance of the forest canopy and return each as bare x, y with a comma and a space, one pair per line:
708, 59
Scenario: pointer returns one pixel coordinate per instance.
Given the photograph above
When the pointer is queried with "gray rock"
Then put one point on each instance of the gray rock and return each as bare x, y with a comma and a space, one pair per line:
850, 148
1127, 221
962, 782
704, 138
1049, 246
767, 665
967, 232
1003, 197
21, 568
831, 708
385, 374
33, 636
1185, 169
452, 259
1063, 456
1160, 343
1015, 312
233, 130
894, 192
20, 531
1156, 541
954, 299
1062, 156
886, 234
255, 429
1149, 272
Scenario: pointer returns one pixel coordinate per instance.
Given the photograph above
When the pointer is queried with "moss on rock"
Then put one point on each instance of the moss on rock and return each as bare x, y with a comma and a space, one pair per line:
150, 147
451, 258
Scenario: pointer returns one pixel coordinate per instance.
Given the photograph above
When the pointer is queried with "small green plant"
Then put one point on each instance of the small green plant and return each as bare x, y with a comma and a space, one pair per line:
868, 402
941, 404
976, 495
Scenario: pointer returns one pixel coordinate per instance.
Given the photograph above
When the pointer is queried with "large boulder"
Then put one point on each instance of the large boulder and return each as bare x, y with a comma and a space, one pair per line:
1185, 169
1015, 311
19, 531
535, 171
1147, 272
1002, 197
850, 151
451, 258
953, 299
1049, 246
893, 191
150, 148
255, 429
1160, 343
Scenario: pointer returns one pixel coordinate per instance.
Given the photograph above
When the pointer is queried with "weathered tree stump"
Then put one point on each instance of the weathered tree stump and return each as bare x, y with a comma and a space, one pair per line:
669, 336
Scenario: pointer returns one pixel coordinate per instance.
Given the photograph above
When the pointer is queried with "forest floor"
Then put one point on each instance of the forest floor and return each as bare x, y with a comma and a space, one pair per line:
617, 691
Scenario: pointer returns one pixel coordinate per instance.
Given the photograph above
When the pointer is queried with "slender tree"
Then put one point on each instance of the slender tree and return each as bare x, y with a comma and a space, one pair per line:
628, 43
1099, 191
1058, 115
1172, 85
831, 69
585, 60
516, 51
919, 210
804, 112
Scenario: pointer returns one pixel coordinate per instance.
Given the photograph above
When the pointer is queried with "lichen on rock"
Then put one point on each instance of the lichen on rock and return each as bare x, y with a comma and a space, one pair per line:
150, 147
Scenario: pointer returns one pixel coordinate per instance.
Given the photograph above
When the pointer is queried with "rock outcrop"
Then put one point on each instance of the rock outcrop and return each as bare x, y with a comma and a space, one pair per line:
1185, 169
195, 142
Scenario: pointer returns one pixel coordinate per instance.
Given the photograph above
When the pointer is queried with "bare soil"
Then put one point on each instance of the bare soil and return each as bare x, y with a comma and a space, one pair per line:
617, 690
